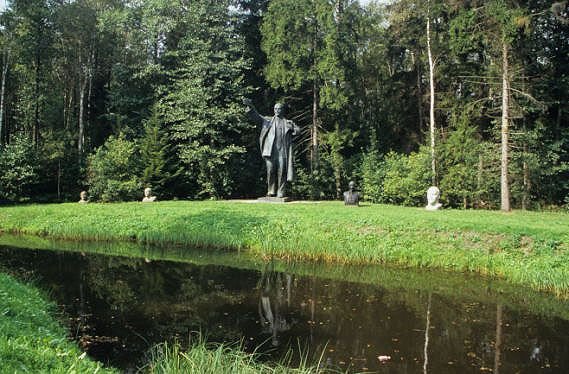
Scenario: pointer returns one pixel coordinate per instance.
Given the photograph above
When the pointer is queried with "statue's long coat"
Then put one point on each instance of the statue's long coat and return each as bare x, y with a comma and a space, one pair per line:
267, 138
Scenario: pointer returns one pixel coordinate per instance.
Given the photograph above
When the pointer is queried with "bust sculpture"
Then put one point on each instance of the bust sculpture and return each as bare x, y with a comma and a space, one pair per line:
275, 142
83, 197
148, 198
351, 197
433, 195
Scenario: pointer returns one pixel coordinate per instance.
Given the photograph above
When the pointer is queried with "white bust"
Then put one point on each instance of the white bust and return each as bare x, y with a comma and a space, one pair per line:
433, 195
148, 198
84, 198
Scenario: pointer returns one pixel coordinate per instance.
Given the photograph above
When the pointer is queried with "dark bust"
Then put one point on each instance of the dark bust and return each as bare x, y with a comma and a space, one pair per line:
351, 197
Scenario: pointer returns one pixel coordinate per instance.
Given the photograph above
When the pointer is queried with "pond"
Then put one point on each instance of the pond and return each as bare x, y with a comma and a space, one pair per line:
356, 319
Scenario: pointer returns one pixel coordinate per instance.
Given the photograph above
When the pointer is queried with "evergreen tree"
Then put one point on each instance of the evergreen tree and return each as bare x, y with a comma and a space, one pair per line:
202, 102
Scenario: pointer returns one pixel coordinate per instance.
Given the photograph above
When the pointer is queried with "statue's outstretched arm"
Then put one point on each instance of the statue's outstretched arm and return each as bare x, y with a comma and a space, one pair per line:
253, 114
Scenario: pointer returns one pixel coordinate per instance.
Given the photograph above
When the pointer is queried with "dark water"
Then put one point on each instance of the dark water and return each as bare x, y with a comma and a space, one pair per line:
118, 307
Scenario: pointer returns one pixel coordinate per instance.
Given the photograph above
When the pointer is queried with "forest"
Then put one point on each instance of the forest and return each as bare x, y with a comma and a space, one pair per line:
112, 96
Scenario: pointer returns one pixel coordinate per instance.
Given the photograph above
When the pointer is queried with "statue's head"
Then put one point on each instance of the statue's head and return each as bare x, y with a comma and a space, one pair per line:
83, 195
352, 185
433, 194
147, 192
279, 109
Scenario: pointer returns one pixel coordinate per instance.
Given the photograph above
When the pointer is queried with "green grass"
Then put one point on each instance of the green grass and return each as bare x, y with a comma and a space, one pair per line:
31, 340
525, 248
212, 358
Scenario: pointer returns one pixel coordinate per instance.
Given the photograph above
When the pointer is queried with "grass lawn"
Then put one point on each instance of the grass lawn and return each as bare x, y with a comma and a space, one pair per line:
529, 248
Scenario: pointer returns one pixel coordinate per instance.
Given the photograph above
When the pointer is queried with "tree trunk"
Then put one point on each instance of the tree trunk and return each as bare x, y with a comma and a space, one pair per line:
81, 140
36, 125
432, 99
504, 175
419, 94
314, 132
59, 180
479, 181
5, 58
527, 181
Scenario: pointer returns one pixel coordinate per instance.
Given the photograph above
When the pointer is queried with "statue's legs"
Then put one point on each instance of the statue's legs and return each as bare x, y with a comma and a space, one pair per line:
271, 176
276, 174
281, 173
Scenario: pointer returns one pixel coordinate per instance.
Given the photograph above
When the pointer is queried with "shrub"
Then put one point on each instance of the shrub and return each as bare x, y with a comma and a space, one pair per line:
18, 165
406, 177
113, 171
373, 174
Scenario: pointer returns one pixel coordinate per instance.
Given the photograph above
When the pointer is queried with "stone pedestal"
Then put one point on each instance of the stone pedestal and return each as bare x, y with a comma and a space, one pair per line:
269, 199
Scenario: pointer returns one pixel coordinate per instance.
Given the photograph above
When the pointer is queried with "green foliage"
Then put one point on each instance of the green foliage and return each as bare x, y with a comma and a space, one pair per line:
19, 169
460, 156
202, 105
113, 171
373, 174
185, 66
334, 144
407, 177
317, 184
160, 169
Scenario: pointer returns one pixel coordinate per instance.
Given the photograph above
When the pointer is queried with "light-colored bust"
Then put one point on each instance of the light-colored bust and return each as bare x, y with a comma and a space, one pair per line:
433, 195
83, 197
148, 198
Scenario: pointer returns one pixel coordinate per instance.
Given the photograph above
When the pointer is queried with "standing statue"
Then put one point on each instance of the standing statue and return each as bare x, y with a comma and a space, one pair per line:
276, 147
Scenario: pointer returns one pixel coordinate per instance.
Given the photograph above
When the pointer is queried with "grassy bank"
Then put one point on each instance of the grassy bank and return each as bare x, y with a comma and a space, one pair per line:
526, 248
31, 341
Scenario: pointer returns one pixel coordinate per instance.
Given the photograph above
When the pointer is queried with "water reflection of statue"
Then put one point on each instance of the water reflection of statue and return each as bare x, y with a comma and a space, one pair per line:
276, 147
351, 197
271, 302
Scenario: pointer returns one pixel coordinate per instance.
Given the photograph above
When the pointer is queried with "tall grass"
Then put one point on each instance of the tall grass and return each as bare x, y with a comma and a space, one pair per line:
31, 340
215, 358
529, 248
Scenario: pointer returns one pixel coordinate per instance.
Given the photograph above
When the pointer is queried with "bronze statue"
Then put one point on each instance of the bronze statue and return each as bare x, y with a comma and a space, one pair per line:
275, 142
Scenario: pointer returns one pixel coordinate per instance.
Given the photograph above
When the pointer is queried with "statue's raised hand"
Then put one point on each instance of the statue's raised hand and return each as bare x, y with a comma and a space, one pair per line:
248, 102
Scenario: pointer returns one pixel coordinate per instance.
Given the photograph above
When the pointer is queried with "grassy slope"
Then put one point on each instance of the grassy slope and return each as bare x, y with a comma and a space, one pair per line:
524, 247
30, 339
